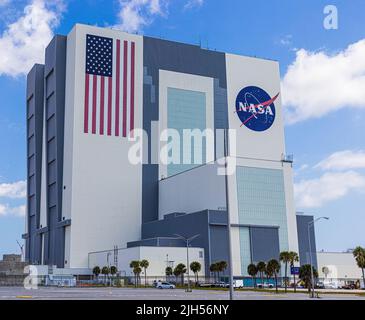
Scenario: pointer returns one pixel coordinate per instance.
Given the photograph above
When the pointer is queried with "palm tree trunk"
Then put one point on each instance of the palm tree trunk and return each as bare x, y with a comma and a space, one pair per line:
276, 282
363, 276
295, 284
286, 277
145, 277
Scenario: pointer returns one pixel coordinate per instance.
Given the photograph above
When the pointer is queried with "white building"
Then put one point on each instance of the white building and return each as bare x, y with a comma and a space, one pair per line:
87, 194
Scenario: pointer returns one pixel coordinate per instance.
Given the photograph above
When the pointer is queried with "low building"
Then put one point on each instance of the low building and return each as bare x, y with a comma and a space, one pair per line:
12, 264
338, 266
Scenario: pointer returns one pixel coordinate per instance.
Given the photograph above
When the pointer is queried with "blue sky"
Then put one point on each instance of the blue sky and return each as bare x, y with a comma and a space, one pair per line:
323, 88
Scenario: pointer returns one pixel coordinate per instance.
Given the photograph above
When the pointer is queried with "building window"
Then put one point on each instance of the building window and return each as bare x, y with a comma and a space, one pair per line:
201, 254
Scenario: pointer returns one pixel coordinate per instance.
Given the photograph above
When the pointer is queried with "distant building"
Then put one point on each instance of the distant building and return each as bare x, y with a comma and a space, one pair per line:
340, 265
12, 265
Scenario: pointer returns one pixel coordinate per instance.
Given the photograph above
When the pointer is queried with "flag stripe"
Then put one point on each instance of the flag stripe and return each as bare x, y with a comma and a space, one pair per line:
110, 94
102, 97
125, 88
117, 90
131, 126
86, 106
95, 88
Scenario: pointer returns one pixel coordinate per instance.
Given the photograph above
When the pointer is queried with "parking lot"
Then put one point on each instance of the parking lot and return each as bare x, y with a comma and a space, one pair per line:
53, 293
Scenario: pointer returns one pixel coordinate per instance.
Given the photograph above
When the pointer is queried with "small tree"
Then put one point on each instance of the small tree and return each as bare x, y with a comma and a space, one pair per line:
294, 257
273, 268
222, 265
285, 258
177, 273
105, 271
214, 269
96, 271
261, 268
195, 266
113, 271
137, 271
181, 268
306, 276
252, 271
144, 264
168, 272
134, 264
359, 254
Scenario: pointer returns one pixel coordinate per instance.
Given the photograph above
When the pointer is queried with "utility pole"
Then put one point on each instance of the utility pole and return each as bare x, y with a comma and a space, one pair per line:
310, 224
187, 241
230, 260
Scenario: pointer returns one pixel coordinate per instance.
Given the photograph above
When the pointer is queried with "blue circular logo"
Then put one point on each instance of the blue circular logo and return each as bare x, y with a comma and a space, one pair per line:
255, 108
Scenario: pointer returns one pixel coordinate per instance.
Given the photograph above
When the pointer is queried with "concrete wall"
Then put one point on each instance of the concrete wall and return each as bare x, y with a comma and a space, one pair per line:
102, 188
192, 191
159, 258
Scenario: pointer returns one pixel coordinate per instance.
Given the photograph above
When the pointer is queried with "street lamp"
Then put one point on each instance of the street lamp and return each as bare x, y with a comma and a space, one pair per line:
310, 224
187, 241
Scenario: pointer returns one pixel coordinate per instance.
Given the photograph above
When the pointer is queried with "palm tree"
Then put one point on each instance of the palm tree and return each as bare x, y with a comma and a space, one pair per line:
294, 257
285, 258
168, 272
105, 271
273, 267
96, 271
261, 268
252, 271
359, 254
214, 269
144, 264
113, 270
137, 271
195, 266
176, 273
134, 264
181, 268
222, 265
305, 275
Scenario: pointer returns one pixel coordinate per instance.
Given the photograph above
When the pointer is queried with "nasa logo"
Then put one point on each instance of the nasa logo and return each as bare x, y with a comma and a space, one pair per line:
255, 108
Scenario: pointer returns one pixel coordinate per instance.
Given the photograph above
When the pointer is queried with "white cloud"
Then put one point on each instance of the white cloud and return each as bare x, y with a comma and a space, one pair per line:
23, 42
343, 160
136, 14
317, 83
15, 190
4, 3
314, 193
193, 4
6, 210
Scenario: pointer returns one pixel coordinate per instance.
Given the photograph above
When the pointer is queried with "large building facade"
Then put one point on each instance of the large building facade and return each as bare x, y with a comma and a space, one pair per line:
103, 93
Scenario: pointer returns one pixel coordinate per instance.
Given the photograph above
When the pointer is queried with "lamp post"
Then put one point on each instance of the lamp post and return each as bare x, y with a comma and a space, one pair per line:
229, 231
310, 224
187, 241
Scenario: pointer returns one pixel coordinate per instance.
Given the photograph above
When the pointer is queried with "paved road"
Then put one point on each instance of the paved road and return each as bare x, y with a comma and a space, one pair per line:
47, 293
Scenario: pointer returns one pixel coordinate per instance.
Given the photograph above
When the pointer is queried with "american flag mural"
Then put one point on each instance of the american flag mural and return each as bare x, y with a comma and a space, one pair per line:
109, 86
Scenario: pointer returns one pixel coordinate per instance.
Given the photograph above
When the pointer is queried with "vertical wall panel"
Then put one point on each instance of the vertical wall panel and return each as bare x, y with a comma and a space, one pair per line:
34, 115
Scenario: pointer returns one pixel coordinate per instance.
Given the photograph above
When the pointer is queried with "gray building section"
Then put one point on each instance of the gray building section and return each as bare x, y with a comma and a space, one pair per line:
35, 102
183, 58
303, 240
46, 96
264, 243
209, 224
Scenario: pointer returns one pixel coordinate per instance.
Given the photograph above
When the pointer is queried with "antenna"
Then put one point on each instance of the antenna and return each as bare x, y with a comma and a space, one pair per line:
21, 246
